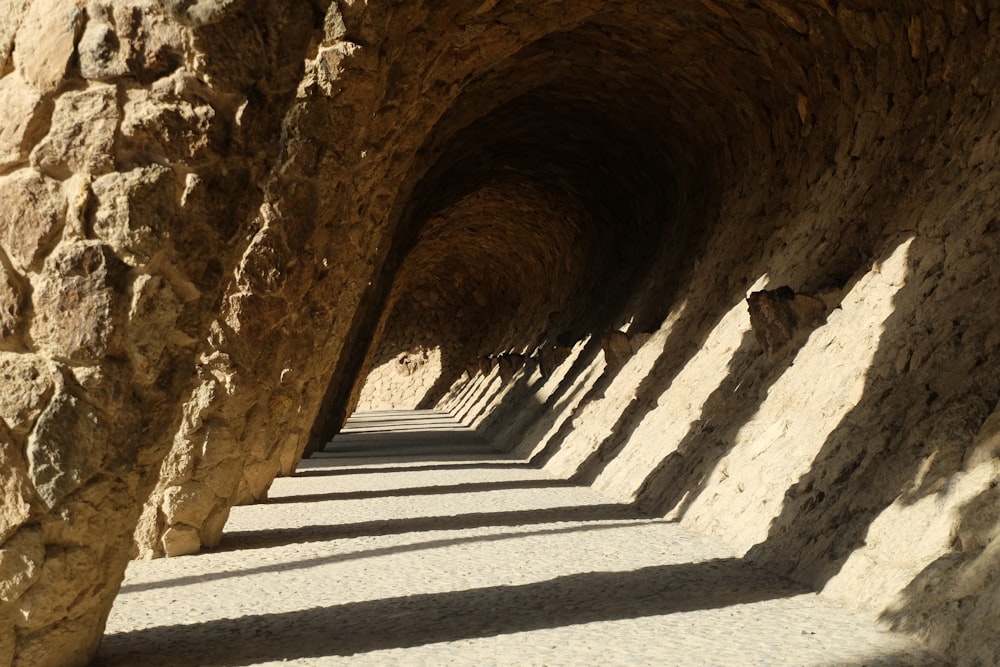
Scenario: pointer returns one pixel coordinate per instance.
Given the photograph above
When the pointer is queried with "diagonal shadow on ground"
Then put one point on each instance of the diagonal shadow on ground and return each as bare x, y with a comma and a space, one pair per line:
339, 472
262, 539
372, 553
416, 620
441, 489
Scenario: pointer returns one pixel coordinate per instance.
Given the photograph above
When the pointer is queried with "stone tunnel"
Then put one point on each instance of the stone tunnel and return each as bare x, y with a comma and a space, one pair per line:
733, 261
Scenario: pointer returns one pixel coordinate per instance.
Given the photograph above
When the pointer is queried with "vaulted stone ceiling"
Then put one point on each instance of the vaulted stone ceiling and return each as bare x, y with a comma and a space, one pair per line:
219, 216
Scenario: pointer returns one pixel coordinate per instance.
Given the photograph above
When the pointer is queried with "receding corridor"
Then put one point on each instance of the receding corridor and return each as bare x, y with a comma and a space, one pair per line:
408, 541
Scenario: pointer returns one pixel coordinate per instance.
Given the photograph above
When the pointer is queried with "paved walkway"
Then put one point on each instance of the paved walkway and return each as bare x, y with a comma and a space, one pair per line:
409, 542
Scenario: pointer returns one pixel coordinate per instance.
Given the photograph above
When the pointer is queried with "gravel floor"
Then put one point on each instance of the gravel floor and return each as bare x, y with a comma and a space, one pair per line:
409, 542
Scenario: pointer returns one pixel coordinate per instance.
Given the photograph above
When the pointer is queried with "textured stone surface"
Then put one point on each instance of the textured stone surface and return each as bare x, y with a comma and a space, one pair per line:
75, 299
82, 135
11, 301
21, 103
28, 386
32, 217
134, 211
65, 448
20, 560
50, 27
14, 485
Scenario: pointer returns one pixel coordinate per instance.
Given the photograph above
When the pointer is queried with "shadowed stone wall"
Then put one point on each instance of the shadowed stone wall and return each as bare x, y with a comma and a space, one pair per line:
218, 217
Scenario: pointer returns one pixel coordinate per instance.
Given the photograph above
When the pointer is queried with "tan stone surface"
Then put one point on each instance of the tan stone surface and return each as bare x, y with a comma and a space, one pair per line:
10, 20
75, 300
20, 560
32, 216
11, 301
21, 103
48, 31
134, 211
82, 137
28, 385
15, 487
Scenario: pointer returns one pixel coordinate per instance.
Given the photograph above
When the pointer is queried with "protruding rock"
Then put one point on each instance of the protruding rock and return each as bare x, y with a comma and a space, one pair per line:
74, 302
617, 348
20, 563
151, 320
550, 357
780, 317
486, 365
135, 210
31, 218
82, 136
21, 110
48, 31
65, 448
15, 489
10, 302
171, 122
102, 53
27, 383
509, 365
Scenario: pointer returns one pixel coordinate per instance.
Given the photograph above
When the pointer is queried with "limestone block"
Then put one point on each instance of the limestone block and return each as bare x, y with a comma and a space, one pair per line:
181, 541
486, 365
74, 302
65, 448
93, 510
31, 218
780, 317
57, 597
20, 562
509, 365
617, 348
134, 210
102, 53
158, 41
10, 21
168, 125
188, 503
51, 28
10, 302
151, 321
28, 384
21, 104
15, 490
82, 135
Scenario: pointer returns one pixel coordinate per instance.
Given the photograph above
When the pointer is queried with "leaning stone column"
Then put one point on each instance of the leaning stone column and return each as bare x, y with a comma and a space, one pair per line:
121, 133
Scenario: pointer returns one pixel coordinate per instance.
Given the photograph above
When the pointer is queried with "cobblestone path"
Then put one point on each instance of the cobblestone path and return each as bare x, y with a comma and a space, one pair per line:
408, 541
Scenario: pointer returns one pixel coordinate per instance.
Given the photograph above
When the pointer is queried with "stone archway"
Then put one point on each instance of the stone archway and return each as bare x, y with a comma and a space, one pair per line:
221, 213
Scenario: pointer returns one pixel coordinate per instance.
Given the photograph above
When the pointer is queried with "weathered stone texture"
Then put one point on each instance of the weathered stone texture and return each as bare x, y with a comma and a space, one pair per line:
20, 561
83, 133
21, 103
11, 301
75, 300
32, 217
15, 487
50, 27
135, 210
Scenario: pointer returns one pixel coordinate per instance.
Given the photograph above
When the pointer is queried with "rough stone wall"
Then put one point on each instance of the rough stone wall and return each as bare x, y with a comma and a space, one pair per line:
861, 457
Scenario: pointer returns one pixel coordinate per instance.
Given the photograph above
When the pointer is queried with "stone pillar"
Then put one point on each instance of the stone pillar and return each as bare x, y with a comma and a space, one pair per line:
119, 135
